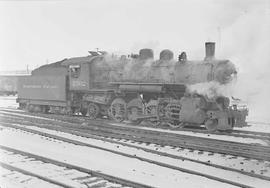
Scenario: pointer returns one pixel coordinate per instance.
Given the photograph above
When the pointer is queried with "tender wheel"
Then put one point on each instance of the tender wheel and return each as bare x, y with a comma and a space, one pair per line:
118, 110
30, 108
175, 124
45, 109
211, 124
93, 110
152, 109
22, 106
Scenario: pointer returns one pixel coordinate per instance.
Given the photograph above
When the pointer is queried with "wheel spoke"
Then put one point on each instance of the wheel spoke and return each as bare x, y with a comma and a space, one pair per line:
93, 110
118, 110
172, 113
152, 109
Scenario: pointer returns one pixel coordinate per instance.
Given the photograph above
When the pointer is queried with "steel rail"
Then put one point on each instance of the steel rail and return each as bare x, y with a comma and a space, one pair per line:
177, 140
13, 168
70, 166
234, 133
132, 156
89, 135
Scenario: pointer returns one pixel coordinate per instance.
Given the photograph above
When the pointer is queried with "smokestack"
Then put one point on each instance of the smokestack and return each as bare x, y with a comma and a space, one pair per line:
209, 50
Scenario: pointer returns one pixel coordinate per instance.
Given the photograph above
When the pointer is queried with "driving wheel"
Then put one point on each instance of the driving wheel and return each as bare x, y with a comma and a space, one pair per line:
118, 110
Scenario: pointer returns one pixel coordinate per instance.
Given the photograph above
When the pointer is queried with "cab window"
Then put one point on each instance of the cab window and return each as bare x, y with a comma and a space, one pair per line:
75, 70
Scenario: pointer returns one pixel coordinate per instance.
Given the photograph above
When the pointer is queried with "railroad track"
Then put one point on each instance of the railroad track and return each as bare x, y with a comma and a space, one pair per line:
234, 133
225, 180
180, 151
172, 139
98, 131
56, 172
11, 178
202, 130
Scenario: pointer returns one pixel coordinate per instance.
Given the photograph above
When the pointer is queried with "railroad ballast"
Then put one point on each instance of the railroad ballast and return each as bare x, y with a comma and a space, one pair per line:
135, 88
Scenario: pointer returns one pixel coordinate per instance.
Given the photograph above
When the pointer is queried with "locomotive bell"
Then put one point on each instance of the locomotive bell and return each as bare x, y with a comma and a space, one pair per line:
209, 50
146, 53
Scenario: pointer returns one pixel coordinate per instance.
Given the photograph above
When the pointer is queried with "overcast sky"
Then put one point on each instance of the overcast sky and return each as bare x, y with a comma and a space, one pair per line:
37, 32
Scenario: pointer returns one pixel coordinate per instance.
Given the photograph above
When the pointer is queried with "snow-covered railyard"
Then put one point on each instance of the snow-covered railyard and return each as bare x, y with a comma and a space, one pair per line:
51, 152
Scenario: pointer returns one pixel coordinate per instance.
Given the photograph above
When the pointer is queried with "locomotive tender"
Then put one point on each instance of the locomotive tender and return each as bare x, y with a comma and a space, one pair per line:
135, 88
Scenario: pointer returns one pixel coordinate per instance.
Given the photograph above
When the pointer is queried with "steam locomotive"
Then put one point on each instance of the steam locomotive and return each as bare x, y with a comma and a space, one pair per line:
135, 88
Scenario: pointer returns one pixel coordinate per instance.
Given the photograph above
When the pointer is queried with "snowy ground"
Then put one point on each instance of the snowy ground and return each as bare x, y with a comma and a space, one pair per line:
210, 136
58, 175
8, 101
132, 168
255, 126
211, 158
104, 161
180, 132
12, 179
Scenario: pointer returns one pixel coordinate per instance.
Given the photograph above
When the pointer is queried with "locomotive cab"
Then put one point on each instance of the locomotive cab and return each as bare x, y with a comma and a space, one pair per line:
79, 77
74, 71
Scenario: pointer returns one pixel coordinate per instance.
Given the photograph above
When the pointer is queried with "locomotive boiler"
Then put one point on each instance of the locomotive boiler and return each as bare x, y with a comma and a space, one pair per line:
135, 88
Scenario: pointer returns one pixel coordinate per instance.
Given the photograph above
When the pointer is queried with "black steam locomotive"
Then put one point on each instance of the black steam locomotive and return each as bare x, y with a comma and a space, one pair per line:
135, 88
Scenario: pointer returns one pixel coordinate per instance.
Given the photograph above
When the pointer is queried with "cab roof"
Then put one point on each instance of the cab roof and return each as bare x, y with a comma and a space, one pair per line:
79, 60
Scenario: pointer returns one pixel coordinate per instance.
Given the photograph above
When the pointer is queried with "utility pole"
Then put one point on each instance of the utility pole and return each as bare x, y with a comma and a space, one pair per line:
219, 36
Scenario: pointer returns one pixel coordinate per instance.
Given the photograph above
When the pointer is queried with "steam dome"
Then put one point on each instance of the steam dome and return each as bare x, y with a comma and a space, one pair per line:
146, 53
166, 55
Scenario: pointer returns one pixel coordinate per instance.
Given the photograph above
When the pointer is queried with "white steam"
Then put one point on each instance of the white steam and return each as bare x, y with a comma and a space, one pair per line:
211, 89
247, 44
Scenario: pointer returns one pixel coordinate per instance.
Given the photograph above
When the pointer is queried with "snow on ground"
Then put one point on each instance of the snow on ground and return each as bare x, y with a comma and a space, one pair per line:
124, 167
180, 132
65, 176
24, 115
231, 176
8, 101
203, 135
229, 161
12, 179
255, 126
106, 162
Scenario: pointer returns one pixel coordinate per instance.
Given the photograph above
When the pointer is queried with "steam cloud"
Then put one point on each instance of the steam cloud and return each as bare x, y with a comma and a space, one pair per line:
247, 44
212, 89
